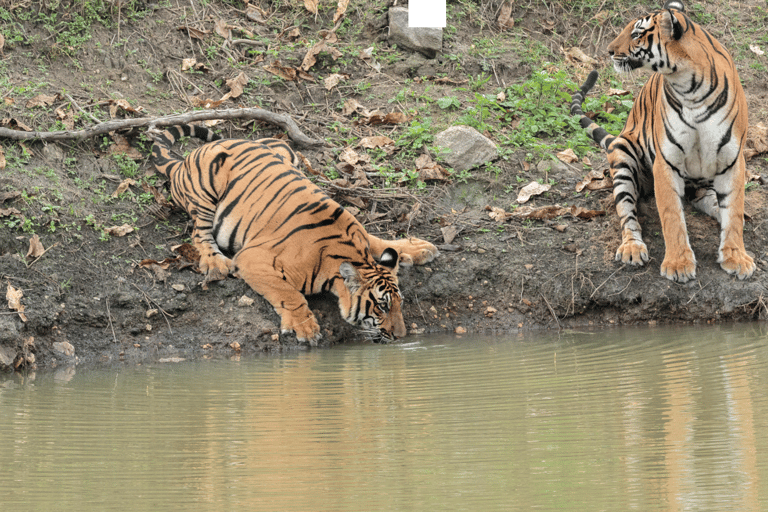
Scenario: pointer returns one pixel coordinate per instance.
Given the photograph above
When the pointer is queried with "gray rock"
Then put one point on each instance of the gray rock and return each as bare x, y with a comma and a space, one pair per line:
7, 355
9, 333
427, 41
466, 147
64, 348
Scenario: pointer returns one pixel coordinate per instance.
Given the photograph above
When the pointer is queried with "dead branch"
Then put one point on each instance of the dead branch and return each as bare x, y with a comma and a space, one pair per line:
282, 121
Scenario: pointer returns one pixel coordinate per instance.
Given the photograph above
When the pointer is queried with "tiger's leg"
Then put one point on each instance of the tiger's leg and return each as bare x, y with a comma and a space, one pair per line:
255, 267
732, 255
412, 251
625, 171
212, 263
679, 263
705, 200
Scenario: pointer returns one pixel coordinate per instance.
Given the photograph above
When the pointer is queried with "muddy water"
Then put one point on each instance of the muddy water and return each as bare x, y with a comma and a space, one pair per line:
663, 419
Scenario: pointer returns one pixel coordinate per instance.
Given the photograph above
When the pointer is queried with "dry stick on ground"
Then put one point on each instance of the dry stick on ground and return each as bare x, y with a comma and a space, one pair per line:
282, 121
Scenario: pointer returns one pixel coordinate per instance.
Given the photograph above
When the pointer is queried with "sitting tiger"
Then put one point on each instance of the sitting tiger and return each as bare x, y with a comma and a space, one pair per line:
257, 216
684, 136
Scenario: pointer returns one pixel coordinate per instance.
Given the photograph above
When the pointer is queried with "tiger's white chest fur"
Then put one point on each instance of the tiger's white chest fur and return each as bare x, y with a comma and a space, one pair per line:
699, 150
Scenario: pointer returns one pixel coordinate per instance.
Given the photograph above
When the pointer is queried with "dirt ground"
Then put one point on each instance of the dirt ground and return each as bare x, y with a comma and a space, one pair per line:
92, 298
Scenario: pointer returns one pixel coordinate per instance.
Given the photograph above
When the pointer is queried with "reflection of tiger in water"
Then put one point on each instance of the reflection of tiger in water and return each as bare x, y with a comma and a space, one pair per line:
257, 215
685, 134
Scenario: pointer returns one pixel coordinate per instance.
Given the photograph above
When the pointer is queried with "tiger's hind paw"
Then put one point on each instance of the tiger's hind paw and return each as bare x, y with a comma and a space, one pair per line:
633, 252
737, 262
416, 251
216, 268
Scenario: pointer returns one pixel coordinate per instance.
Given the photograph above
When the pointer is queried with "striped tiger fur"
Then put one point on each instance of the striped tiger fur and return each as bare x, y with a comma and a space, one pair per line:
257, 216
684, 137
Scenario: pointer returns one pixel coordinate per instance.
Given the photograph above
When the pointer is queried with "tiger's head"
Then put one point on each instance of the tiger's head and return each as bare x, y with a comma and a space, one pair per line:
648, 42
374, 298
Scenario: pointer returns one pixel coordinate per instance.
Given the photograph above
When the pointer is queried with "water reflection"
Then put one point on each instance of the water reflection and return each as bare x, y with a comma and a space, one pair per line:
653, 419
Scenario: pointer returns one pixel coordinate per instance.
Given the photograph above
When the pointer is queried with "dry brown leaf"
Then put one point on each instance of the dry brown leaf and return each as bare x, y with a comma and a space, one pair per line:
236, 86
498, 214
541, 213
294, 34
121, 146
256, 14
341, 8
505, 18
66, 117
14, 124
36, 248
119, 230
221, 28
449, 233
2, 44
42, 100
13, 296
757, 140
589, 178
534, 188
123, 186
194, 32
349, 156
187, 64
756, 49
7, 212
576, 54
376, 141
187, 251
583, 213
567, 156
2, 159
308, 165
284, 72
333, 80
8, 101
205, 102
311, 5
351, 106
618, 92
376, 118
116, 105
311, 57
7, 196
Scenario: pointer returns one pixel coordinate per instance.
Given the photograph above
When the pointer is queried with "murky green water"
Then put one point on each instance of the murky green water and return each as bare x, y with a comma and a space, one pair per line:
623, 420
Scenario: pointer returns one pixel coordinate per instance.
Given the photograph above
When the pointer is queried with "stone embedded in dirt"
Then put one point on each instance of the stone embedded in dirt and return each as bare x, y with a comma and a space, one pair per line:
467, 147
64, 348
460, 330
427, 41
245, 301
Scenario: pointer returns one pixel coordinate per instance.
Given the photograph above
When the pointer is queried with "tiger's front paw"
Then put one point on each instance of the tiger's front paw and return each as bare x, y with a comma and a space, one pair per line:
633, 252
303, 324
216, 267
417, 252
679, 269
735, 261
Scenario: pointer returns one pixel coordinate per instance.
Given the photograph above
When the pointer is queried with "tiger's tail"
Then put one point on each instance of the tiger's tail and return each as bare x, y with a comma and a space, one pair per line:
162, 158
595, 131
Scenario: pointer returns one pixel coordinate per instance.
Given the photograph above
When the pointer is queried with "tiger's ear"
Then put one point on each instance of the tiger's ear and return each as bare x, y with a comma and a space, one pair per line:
351, 276
389, 258
670, 25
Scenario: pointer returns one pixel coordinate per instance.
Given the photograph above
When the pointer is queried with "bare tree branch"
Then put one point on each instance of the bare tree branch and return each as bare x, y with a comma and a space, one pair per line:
282, 121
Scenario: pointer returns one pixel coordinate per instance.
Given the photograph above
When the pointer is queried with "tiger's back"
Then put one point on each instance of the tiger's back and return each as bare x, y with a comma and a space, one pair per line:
258, 216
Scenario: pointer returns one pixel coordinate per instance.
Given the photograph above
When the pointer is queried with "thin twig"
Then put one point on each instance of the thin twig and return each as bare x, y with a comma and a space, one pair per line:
551, 311
164, 312
109, 317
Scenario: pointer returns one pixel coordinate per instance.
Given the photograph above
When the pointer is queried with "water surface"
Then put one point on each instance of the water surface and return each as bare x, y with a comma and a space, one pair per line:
650, 419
